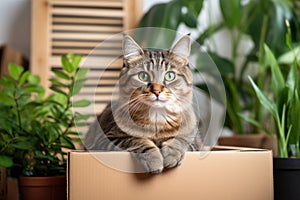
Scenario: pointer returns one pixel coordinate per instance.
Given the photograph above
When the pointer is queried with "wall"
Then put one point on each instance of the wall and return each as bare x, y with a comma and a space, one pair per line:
15, 25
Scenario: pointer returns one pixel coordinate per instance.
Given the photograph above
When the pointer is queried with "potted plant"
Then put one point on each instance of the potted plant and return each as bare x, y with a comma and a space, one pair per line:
260, 21
36, 131
283, 105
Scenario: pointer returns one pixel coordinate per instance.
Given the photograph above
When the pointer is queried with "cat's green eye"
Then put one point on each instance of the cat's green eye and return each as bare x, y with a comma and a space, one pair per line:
144, 76
170, 76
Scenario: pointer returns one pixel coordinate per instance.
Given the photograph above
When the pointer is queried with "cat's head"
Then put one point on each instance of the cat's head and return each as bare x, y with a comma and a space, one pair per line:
156, 78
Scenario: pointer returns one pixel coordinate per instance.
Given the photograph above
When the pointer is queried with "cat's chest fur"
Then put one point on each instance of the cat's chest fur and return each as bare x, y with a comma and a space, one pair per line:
152, 123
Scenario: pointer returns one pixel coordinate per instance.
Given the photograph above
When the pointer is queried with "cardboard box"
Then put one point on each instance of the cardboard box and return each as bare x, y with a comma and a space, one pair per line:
225, 173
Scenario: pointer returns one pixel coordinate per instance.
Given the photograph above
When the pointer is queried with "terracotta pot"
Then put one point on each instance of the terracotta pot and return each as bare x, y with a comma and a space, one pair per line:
260, 140
3, 184
43, 188
286, 178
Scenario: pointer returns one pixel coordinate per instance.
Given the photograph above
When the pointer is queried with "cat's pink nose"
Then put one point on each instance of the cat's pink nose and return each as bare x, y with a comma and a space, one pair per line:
156, 92
156, 89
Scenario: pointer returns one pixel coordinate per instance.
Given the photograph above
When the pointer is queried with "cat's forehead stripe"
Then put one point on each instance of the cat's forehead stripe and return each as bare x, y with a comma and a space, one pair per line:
157, 60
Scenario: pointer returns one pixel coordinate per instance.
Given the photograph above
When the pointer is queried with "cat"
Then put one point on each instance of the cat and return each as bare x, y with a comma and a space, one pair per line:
152, 116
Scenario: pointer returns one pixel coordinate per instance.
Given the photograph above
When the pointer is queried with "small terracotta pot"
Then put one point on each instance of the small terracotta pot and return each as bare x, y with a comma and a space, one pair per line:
43, 188
260, 140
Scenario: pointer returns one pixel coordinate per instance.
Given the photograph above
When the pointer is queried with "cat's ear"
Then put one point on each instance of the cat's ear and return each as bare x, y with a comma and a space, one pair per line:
131, 48
182, 47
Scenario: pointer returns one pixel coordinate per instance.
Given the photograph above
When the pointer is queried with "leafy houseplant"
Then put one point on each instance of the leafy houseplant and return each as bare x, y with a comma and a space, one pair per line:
284, 108
35, 130
261, 21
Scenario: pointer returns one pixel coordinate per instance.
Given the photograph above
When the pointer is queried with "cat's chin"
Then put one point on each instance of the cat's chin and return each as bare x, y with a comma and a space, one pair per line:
158, 104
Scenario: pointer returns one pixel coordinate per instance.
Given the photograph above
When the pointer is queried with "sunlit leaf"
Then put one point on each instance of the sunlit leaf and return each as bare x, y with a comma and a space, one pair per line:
81, 103
15, 71
6, 161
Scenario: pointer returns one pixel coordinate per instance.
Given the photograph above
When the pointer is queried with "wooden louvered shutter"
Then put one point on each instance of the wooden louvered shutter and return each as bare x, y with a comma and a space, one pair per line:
77, 26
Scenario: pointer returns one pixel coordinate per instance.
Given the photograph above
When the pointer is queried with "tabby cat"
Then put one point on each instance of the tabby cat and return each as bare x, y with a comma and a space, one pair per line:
152, 115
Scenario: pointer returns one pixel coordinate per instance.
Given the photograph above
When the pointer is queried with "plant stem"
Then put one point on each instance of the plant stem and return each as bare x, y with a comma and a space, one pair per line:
282, 142
233, 106
235, 92
17, 109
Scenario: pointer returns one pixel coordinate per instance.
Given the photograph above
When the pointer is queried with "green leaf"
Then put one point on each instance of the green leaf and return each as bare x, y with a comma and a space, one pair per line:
22, 145
190, 20
225, 66
61, 99
231, 12
76, 61
6, 161
56, 89
24, 77
56, 82
61, 74
15, 71
282, 99
264, 100
33, 79
278, 82
164, 15
66, 65
67, 142
7, 82
34, 88
290, 56
193, 6
292, 79
81, 103
81, 73
255, 123
53, 133
76, 87
293, 119
6, 99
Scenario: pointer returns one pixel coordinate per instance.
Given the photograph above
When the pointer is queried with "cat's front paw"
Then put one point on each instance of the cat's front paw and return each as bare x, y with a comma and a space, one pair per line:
172, 156
151, 161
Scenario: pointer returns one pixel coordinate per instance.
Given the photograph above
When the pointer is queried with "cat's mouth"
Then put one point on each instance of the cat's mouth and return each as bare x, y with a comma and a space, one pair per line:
158, 101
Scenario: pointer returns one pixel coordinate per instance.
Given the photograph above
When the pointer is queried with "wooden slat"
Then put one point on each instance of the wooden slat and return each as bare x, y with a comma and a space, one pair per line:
92, 74
86, 44
111, 52
92, 109
101, 82
79, 20
97, 62
87, 28
102, 98
80, 36
97, 90
111, 3
83, 12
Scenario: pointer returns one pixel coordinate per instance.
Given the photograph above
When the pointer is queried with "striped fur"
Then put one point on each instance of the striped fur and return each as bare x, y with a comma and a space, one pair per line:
152, 114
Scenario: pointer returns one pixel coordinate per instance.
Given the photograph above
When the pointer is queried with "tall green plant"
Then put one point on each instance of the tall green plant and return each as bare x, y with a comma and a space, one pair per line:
284, 107
35, 129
